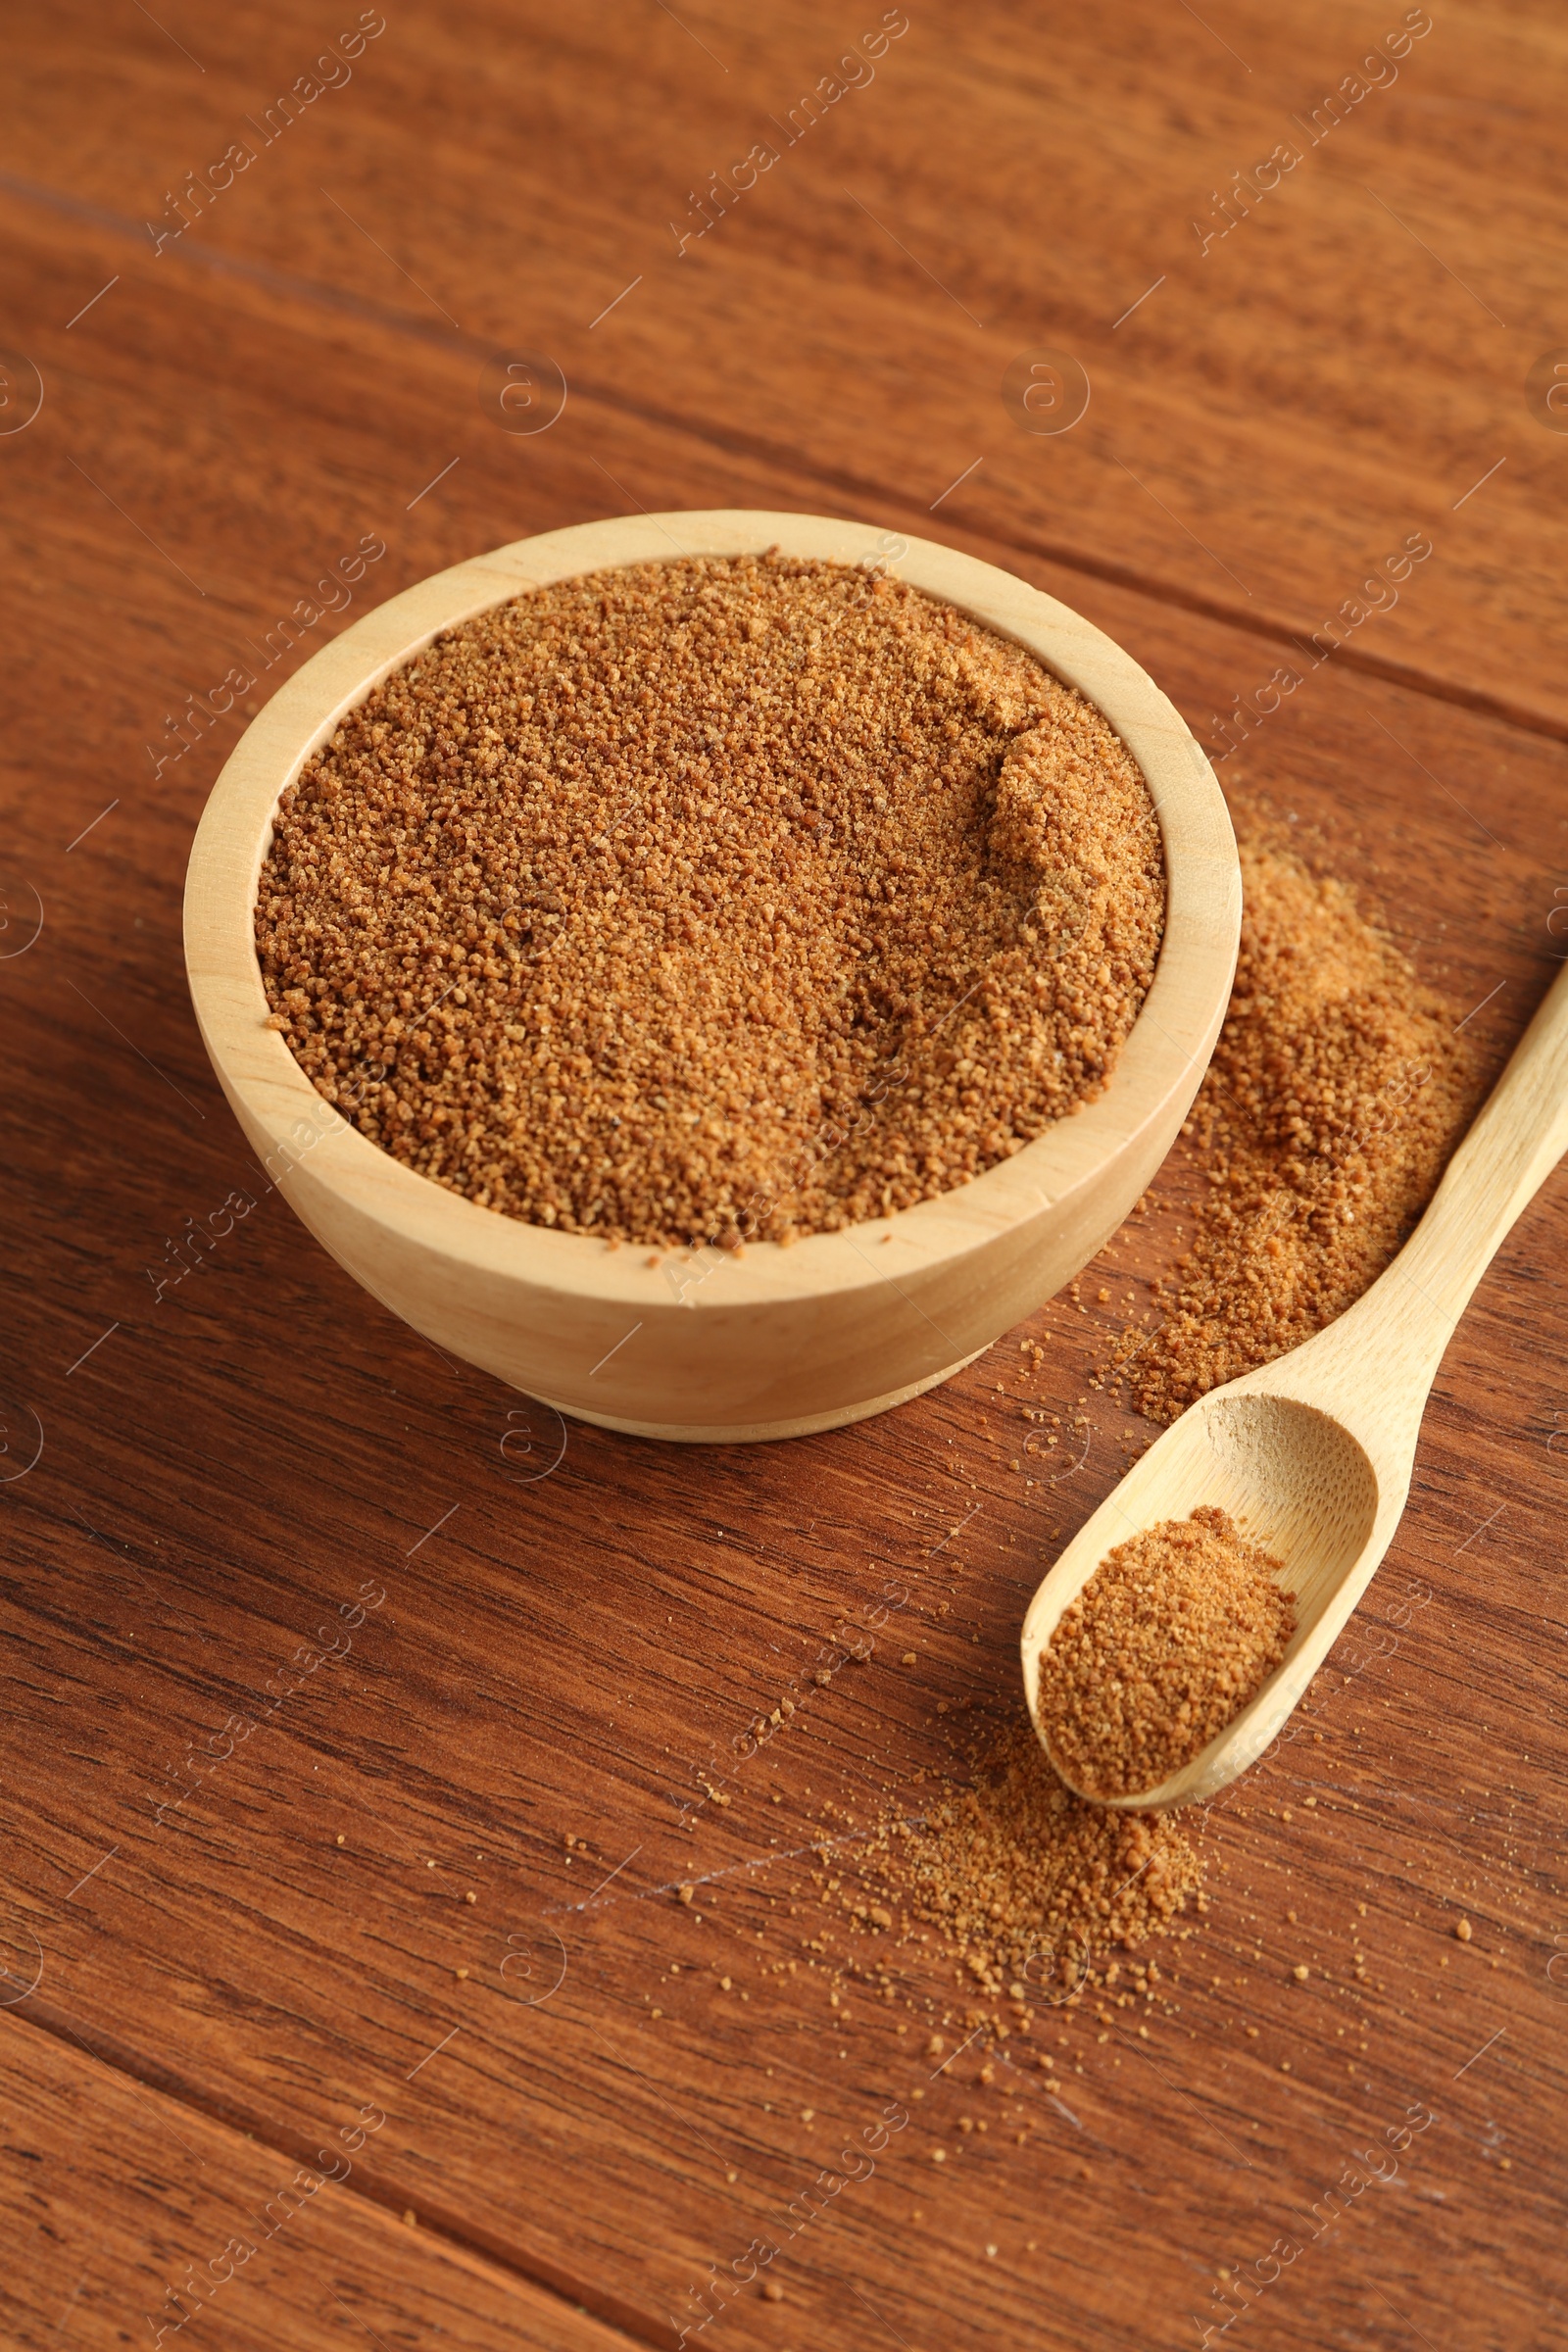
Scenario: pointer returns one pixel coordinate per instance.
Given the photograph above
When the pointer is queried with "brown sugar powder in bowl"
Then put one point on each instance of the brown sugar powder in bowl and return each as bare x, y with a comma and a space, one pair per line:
715, 897
1176, 1630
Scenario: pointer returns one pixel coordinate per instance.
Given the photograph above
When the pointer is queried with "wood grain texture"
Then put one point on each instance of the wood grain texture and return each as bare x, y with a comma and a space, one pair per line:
1335, 372
130, 2217
577, 1648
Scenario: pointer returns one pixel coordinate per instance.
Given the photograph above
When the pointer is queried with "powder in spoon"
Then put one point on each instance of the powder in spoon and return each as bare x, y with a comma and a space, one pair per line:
1176, 1630
709, 899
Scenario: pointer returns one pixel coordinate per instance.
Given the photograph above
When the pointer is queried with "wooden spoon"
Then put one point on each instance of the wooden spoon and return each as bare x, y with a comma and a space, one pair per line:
1312, 1453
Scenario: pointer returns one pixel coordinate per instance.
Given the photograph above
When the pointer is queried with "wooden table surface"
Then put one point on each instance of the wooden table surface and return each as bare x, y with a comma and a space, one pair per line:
552, 2101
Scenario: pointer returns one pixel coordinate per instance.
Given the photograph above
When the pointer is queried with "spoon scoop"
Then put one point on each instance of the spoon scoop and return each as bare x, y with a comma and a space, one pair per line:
1312, 1453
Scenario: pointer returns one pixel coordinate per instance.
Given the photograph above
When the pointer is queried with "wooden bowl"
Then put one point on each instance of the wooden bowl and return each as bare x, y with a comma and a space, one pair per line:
777, 1341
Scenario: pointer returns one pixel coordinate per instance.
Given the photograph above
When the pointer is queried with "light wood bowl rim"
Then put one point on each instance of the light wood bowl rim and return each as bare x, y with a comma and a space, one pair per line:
1175, 1029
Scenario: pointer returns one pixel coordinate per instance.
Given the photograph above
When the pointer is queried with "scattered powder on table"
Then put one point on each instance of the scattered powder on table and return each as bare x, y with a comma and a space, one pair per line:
1176, 1630
713, 899
1336, 1092
1028, 1888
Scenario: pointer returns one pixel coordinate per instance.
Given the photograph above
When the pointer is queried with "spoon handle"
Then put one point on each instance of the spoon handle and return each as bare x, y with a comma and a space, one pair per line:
1408, 1315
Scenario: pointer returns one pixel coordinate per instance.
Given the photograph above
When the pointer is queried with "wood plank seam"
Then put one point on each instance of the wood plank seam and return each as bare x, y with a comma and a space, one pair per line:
538, 1684
372, 2186
869, 495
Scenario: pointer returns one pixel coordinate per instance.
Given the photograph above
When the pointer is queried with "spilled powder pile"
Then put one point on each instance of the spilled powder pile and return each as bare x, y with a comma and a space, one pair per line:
710, 900
1028, 1888
1168, 1640
1335, 1095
